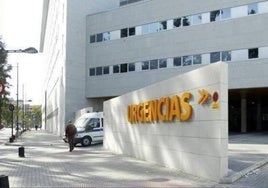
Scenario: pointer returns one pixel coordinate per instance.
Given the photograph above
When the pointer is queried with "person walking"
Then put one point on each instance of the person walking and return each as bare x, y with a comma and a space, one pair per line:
70, 133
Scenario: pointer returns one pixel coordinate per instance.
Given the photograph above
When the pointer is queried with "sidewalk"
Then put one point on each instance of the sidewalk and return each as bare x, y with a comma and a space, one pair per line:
48, 163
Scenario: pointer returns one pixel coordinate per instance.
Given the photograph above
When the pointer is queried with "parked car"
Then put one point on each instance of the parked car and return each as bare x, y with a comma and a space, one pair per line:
89, 129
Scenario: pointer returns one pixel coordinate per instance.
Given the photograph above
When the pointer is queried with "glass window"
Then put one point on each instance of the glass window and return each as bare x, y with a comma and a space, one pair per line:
177, 22
214, 15
215, 57
124, 33
163, 25
197, 59
186, 21
123, 2
187, 60
154, 64
177, 61
92, 38
162, 63
99, 71
132, 31
106, 70
123, 68
116, 69
197, 19
99, 37
253, 53
131, 67
106, 36
253, 8
154, 27
145, 29
226, 56
145, 65
92, 72
225, 13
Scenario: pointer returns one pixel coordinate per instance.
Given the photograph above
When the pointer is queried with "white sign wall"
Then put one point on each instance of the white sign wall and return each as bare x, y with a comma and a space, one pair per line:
197, 145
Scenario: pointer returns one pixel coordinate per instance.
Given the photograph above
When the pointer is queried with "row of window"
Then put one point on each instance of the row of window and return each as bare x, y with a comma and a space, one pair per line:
126, 2
173, 62
216, 15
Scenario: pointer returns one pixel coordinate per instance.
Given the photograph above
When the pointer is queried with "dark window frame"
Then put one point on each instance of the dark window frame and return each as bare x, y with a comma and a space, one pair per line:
92, 72
253, 53
124, 33
116, 69
124, 68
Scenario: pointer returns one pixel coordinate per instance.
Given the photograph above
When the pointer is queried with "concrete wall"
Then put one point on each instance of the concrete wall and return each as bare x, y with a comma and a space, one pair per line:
197, 146
63, 42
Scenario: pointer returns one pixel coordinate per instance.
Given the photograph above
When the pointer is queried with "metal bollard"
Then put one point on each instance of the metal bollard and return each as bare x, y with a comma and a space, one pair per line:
21, 151
4, 181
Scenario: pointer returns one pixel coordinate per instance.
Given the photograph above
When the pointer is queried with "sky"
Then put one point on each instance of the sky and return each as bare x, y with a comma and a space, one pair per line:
20, 27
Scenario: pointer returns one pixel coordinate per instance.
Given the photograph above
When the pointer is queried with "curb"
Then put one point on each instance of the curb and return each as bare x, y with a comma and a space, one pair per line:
13, 144
238, 175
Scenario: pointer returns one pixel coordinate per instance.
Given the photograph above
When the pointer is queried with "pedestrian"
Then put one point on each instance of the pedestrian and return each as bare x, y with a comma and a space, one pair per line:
70, 133
36, 127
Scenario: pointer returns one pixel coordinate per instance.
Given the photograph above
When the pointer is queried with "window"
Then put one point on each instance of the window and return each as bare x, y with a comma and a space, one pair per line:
226, 56
253, 8
99, 37
197, 59
214, 15
215, 57
145, 29
253, 53
132, 31
177, 22
92, 72
177, 61
154, 64
123, 2
123, 68
124, 33
197, 19
162, 63
99, 71
186, 21
106, 36
153, 27
106, 70
225, 13
163, 25
145, 65
187, 60
116, 69
92, 38
131, 67
93, 123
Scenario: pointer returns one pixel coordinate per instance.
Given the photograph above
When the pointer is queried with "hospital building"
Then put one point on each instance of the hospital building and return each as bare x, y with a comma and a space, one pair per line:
100, 49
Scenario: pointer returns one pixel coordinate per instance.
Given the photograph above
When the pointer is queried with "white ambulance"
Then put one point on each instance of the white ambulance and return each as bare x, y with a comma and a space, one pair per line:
89, 128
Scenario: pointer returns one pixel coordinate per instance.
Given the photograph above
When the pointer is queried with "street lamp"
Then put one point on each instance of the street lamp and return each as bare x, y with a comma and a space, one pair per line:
29, 50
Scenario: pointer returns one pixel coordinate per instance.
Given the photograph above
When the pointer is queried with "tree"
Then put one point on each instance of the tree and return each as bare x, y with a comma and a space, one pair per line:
37, 114
4, 76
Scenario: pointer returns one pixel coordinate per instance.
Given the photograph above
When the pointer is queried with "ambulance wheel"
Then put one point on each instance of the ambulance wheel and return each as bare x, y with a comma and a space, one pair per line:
86, 141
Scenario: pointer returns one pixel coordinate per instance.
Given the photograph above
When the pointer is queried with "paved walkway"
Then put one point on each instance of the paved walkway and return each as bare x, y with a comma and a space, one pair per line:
48, 163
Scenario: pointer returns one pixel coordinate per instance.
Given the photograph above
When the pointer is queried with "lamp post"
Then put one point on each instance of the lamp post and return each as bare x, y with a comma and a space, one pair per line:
29, 50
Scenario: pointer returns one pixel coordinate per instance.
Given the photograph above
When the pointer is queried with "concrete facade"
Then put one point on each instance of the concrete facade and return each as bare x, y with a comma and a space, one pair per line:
234, 34
198, 146
238, 29
63, 41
